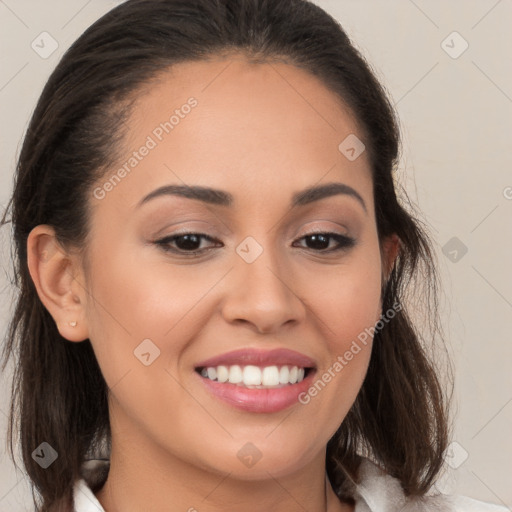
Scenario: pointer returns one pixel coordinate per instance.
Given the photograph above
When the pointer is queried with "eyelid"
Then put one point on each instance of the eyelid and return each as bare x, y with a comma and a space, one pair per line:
317, 230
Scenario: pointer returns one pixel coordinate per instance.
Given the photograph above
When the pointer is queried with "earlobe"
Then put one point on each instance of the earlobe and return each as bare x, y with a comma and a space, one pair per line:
53, 271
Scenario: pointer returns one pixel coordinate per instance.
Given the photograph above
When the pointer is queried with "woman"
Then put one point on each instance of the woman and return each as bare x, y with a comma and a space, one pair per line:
212, 266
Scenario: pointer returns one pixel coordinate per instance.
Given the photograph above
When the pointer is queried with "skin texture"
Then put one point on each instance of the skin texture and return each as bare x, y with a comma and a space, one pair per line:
261, 132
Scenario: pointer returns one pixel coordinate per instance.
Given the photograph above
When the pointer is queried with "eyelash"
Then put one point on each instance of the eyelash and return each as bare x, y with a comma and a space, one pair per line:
344, 242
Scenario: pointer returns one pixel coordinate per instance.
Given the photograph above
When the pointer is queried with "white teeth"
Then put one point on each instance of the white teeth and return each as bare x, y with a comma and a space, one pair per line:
284, 373
270, 376
254, 376
235, 374
222, 374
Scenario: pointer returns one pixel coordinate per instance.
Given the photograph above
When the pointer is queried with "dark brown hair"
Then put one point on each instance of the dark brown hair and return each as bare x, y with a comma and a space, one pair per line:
399, 418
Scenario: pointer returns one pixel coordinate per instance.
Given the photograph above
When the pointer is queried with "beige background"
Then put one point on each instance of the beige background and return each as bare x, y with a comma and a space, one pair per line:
456, 116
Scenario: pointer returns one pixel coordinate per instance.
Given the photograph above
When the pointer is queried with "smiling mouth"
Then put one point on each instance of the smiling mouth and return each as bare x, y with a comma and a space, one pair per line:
256, 377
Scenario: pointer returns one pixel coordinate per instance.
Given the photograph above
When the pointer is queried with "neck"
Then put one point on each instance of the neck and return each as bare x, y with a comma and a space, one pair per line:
143, 477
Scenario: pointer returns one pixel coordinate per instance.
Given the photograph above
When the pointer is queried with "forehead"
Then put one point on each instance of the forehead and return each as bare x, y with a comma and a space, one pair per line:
227, 120
247, 94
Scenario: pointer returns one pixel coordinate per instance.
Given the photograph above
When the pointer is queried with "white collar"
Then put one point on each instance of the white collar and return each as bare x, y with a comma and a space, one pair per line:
84, 498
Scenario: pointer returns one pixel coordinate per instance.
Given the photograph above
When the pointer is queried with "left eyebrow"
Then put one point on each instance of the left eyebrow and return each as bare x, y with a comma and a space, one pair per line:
311, 194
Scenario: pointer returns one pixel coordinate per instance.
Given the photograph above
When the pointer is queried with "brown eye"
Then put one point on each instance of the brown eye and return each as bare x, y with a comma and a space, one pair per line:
320, 241
184, 243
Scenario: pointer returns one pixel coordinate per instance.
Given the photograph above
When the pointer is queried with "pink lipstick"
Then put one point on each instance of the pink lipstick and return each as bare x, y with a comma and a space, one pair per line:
257, 380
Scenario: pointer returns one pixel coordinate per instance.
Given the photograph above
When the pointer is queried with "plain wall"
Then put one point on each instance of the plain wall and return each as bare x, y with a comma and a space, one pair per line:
456, 121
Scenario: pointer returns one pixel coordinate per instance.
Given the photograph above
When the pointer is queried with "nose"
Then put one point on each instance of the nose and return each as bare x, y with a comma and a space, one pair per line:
261, 294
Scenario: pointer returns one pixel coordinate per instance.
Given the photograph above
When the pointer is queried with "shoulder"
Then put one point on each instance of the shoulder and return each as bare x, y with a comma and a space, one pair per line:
377, 491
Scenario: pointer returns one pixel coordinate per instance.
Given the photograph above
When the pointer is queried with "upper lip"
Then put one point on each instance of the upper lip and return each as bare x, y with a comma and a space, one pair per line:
259, 357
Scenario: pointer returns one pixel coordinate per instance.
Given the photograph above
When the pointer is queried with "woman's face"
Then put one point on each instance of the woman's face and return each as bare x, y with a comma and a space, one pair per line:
156, 311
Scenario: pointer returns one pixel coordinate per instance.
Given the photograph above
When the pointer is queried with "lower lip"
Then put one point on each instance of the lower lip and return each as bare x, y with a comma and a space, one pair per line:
258, 400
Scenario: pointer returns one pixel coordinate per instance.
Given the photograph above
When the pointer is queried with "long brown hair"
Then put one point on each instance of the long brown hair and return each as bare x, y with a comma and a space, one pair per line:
399, 418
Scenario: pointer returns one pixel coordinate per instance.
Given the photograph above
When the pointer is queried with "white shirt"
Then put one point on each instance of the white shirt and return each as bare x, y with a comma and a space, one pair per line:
377, 492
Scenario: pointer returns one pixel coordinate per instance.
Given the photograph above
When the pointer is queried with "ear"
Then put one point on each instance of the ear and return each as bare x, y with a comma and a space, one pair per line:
389, 252
57, 276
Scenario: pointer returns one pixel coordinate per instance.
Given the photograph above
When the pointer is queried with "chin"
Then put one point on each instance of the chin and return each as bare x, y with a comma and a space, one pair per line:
260, 460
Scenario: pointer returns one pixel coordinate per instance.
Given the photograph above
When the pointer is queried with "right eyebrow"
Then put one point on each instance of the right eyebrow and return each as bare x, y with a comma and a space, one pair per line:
205, 194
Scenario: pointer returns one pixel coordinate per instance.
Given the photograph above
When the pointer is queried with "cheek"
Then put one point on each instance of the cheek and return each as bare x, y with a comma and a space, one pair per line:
347, 307
348, 299
133, 299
